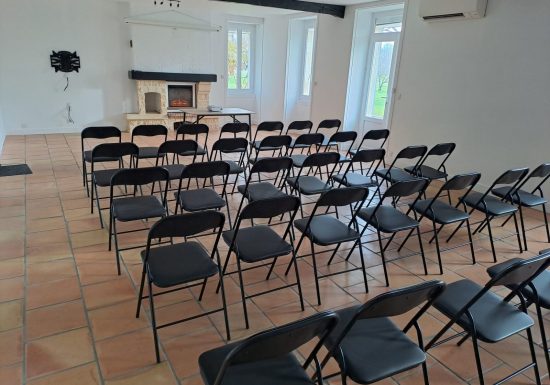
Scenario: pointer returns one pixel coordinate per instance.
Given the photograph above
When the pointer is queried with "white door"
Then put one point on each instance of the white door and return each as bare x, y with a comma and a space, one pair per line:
380, 76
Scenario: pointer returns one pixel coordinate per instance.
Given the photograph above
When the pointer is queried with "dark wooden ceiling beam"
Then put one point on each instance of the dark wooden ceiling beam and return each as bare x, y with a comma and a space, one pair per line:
296, 5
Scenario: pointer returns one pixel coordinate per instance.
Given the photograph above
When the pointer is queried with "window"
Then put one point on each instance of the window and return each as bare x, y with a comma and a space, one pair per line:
308, 61
240, 55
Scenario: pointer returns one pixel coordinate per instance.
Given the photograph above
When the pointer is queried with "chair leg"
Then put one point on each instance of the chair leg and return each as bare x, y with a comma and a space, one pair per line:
224, 304
315, 273
478, 360
437, 248
153, 321
383, 258
110, 229
98, 206
522, 227
425, 371
471, 242
491, 239
295, 259
363, 267
422, 250
243, 296
518, 234
533, 355
298, 282
543, 335
117, 256
141, 285
202, 288
334, 253
224, 269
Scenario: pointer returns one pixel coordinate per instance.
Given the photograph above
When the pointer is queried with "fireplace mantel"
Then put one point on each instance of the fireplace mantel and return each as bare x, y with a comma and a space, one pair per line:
172, 76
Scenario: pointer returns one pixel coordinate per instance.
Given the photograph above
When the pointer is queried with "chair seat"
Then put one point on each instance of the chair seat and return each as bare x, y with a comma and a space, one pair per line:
174, 170
200, 199
139, 207
148, 152
88, 158
308, 184
441, 212
494, 319
427, 172
298, 160
180, 263
394, 175
200, 151
260, 190
282, 370
234, 167
353, 179
374, 348
526, 198
326, 230
541, 283
495, 207
102, 178
257, 243
387, 219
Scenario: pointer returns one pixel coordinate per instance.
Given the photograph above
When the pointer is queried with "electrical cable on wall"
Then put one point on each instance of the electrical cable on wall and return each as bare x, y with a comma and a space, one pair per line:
67, 85
69, 117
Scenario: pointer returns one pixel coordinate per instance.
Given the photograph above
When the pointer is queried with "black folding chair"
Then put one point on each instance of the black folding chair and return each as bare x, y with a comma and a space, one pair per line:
329, 126
310, 184
258, 190
199, 133
485, 316
171, 266
338, 139
274, 128
203, 198
276, 144
237, 146
149, 130
260, 243
304, 143
389, 220
369, 347
395, 174
437, 172
325, 230
234, 129
301, 127
494, 207
524, 198
442, 213
373, 158
170, 152
95, 133
134, 207
537, 292
102, 178
374, 136
267, 358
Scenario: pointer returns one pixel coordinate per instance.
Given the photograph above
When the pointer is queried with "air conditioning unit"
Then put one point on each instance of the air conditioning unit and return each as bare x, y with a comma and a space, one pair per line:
431, 10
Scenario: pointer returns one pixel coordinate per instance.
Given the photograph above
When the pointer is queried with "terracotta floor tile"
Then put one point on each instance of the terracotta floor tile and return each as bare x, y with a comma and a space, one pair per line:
58, 352
45, 224
12, 347
81, 375
11, 375
11, 289
113, 320
50, 293
12, 268
108, 293
157, 375
89, 238
97, 271
125, 354
46, 237
48, 253
11, 315
50, 271
54, 319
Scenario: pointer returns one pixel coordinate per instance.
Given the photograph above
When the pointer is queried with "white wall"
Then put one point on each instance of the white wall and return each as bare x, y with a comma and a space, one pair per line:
32, 96
483, 84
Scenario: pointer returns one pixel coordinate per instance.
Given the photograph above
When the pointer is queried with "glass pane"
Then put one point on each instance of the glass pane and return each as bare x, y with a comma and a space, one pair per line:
245, 60
379, 79
388, 28
308, 62
232, 59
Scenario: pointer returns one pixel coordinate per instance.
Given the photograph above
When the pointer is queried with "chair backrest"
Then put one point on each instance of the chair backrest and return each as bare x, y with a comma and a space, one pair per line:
511, 177
275, 141
139, 176
329, 124
235, 128
99, 132
542, 171
343, 137
178, 146
411, 152
369, 155
269, 208
224, 145
321, 159
203, 170
187, 225
406, 188
521, 272
461, 182
195, 129
281, 341
300, 125
377, 135
310, 139
442, 149
114, 150
271, 165
150, 130
342, 196
270, 126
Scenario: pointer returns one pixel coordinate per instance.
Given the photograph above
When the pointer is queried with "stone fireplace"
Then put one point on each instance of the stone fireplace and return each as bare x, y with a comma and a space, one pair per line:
161, 95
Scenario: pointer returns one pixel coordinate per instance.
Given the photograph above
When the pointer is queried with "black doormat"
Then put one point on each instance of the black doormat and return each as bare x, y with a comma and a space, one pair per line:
15, 169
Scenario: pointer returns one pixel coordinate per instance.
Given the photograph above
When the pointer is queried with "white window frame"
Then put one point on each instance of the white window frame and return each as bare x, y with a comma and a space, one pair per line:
240, 27
308, 23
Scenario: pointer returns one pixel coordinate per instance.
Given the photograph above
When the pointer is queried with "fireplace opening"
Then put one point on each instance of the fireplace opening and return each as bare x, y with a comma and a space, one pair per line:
153, 103
181, 96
